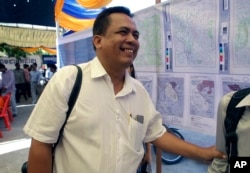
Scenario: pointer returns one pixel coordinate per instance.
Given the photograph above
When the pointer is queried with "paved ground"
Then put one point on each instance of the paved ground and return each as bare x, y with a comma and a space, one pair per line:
11, 161
15, 139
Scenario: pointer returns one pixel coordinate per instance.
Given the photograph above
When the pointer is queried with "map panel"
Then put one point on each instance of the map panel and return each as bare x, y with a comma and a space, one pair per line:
241, 32
202, 96
234, 83
240, 36
170, 95
195, 37
149, 82
150, 55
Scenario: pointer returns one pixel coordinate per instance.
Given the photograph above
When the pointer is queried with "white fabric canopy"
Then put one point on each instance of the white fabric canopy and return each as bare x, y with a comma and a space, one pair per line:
23, 37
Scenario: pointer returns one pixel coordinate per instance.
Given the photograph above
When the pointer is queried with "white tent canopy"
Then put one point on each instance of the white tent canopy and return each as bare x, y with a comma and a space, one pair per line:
28, 35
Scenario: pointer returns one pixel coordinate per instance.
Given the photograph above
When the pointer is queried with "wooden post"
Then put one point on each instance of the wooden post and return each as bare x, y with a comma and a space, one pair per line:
158, 160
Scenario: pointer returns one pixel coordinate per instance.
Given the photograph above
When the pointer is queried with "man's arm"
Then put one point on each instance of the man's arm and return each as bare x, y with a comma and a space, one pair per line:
40, 157
173, 144
11, 79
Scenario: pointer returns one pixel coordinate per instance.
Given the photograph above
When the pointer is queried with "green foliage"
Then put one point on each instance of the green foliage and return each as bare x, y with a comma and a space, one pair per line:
12, 51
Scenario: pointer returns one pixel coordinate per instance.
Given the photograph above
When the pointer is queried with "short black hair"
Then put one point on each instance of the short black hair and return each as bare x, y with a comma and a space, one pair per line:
53, 66
102, 21
25, 65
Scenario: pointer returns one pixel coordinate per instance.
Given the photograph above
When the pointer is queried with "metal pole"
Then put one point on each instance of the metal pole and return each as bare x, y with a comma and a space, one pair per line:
57, 45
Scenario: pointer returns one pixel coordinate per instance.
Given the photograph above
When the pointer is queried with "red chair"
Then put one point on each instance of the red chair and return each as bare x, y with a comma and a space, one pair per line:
10, 111
4, 113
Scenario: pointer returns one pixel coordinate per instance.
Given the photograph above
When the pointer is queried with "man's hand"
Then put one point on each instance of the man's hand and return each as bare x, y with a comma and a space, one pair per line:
211, 152
170, 143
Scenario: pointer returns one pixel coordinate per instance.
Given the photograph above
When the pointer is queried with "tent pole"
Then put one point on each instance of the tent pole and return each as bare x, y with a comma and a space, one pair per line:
57, 45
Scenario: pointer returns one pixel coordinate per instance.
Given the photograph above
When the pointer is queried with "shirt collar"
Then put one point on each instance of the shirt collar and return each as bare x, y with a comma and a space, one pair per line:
99, 71
128, 87
244, 102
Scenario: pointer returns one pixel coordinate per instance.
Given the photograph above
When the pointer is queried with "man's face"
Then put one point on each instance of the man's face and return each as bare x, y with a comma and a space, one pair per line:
18, 66
119, 45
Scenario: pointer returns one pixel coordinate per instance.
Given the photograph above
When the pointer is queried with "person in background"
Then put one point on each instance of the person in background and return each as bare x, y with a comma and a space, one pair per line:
53, 69
113, 115
35, 76
147, 147
27, 79
8, 86
20, 82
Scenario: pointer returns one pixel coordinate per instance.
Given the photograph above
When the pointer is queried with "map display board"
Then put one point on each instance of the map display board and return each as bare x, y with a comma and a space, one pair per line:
76, 48
240, 34
195, 36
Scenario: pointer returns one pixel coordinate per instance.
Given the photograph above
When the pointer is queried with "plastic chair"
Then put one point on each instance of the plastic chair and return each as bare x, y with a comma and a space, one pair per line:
4, 113
10, 111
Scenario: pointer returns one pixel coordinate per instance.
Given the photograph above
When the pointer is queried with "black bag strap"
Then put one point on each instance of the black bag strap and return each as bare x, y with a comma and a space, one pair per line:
72, 100
233, 115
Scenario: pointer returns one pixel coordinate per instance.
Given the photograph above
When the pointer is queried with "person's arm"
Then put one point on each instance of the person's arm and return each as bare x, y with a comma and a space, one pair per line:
173, 144
11, 79
38, 76
40, 157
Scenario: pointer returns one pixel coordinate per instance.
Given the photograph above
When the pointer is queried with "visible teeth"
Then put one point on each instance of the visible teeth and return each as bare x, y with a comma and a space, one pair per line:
129, 50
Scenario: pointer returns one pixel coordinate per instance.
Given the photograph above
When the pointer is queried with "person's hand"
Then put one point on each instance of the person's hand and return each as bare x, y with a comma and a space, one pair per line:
211, 152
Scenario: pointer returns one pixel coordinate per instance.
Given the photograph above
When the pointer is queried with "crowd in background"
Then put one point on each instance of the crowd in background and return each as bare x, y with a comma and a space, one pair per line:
23, 82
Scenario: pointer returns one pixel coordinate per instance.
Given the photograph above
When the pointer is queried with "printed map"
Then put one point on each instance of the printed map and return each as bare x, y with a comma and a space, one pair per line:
234, 83
149, 25
194, 36
202, 97
170, 96
241, 32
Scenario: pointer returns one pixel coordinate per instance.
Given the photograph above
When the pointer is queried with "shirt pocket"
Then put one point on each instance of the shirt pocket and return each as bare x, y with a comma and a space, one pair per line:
136, 134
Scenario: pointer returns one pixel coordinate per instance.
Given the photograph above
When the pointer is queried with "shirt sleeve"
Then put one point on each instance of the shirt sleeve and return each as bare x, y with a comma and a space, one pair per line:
155, 128
49, 113
11, 78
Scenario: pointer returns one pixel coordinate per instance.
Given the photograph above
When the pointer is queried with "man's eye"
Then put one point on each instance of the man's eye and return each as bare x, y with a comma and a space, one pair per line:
123, 32
136, 36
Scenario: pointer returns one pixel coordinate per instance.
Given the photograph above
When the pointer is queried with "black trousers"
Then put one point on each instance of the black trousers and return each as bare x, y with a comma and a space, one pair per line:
20, 90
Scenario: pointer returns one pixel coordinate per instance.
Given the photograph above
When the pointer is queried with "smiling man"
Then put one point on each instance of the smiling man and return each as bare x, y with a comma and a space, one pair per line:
113, 115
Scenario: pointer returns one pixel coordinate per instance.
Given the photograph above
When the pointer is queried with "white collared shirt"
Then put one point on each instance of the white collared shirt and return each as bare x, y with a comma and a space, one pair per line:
102, 133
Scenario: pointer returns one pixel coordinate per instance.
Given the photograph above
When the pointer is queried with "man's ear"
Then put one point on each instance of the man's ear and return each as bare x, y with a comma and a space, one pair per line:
97, 41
